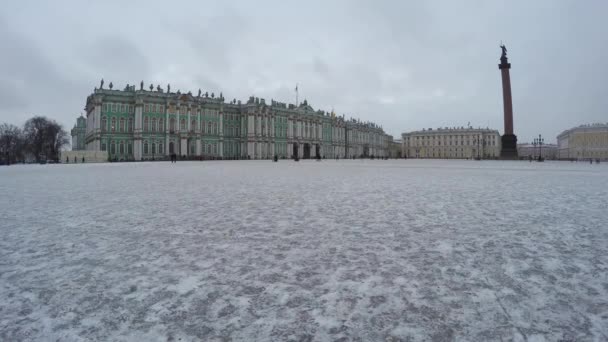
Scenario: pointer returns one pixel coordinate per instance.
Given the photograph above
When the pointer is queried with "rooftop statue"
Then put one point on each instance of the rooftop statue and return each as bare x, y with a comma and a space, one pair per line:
151, 87
101, 86
503, 56
199, 92
141, 85
111, 86
158, 89
168, 88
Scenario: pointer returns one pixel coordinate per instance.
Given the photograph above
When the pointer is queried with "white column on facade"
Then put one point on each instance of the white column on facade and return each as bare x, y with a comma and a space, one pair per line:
198, 147
137, 144
220, 147
188, 125
184, 147
221, 128
258, 129
250, 125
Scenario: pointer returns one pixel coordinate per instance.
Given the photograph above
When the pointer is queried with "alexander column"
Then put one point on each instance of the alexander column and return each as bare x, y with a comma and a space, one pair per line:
509, 140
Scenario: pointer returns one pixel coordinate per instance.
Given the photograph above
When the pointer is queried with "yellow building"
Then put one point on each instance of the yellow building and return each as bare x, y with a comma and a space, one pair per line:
584, 142
452, 143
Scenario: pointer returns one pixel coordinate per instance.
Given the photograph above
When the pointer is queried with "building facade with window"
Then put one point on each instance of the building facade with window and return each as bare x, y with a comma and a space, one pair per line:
527, 150
452, 143
140, 124
78, 134
584, 142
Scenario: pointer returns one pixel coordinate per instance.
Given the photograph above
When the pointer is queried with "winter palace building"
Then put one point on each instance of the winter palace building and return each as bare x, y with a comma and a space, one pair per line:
144, 124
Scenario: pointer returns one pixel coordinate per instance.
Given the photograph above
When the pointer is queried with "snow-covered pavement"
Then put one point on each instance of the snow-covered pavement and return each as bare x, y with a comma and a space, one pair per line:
311, 251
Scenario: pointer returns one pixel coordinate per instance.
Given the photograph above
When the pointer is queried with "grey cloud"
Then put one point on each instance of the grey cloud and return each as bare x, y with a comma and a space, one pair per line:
406, 65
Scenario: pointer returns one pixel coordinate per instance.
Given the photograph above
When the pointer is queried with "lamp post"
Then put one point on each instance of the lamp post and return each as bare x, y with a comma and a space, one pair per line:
539, 142
480, 141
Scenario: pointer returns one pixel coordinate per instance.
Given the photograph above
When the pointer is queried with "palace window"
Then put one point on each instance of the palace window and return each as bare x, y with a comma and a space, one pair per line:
145, 147
130, 148
113, 126
113, 107
122, 108
153, 148
182, 124
172, 124
122, 125
130, 125
208, 131
113, 148
160, 148
193, 125
122, 147
103, 146
154, 125
146, 124
104, 124
147, 108
161, 125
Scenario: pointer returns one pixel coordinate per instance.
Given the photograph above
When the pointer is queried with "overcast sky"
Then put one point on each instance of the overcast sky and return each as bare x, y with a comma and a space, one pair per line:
405, 65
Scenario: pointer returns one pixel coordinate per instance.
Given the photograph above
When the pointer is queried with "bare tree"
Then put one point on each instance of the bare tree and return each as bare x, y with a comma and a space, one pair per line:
11, 143
44, 138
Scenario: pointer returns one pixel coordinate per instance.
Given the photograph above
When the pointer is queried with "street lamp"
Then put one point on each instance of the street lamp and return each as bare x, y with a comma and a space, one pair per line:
539, 142
480, 142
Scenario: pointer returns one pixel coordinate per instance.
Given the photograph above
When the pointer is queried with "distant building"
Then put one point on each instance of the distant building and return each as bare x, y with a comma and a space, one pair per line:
525, 151
395, 148
138, 124
78, 134
584, 142
452, 143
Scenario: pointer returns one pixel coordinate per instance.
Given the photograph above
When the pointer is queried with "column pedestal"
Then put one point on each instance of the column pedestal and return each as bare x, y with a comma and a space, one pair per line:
508, 147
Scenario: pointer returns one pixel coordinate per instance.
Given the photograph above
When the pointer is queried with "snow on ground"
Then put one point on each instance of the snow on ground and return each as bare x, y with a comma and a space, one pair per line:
331, 251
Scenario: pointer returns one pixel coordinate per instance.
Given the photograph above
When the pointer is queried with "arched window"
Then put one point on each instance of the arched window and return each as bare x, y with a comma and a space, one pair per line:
161, 125
122, 147
172, 124
208, 128
193, 125
122, 125
208, 148
182, 124
145, 147
153, 125
113, 126
146, 121
104, 124
160, 148
122, 108
153, 148
130, 125
130, 148
113, 148
147, 108
153, 108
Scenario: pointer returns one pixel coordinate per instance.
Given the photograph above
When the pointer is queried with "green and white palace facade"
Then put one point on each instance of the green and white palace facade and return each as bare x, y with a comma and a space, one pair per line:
151, 124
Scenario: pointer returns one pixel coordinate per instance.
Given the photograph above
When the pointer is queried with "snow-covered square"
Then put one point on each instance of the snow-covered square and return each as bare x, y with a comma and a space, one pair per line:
349, 250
